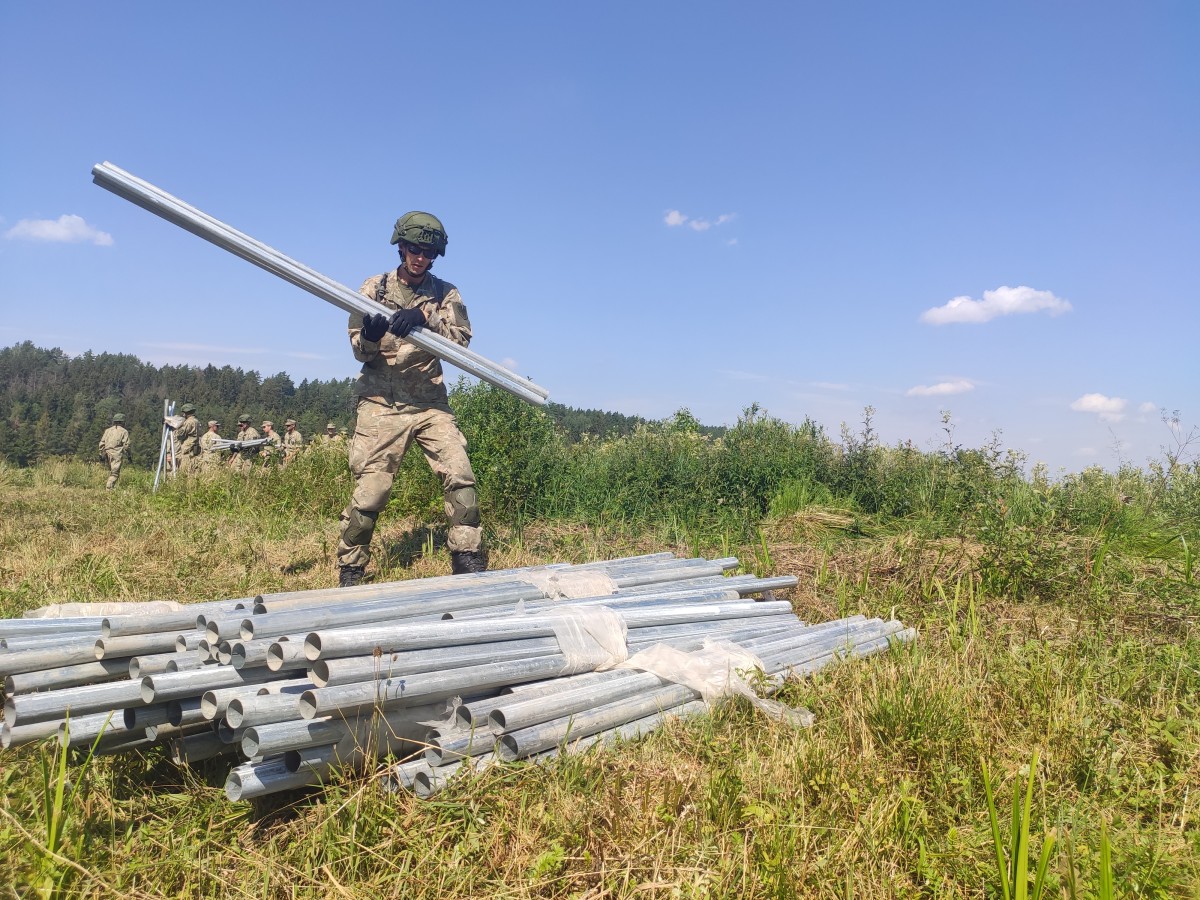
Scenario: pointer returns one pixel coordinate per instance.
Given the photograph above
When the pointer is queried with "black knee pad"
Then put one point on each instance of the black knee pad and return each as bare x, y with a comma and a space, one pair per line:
464, 507
360, 525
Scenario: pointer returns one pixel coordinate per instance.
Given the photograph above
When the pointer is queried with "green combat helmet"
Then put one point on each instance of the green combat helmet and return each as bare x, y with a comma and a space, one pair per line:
421, 228
243, 418
188, 408
118, 417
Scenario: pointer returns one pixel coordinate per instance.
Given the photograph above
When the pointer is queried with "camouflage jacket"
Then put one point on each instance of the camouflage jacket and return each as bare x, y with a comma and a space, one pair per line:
292, 441
206, 445
186, 438
395, 371
115, 438
250, 434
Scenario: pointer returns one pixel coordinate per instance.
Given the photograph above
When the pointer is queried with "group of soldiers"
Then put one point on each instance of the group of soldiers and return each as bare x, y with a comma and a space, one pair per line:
195, 451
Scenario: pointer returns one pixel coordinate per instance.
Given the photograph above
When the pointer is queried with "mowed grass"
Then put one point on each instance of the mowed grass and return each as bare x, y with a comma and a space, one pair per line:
1093, 666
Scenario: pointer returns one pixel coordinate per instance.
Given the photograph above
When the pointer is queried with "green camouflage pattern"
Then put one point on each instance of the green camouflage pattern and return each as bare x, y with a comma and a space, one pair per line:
395, 371
243, 460
187, 442
209, 455
381, 438
114, 447
293, 441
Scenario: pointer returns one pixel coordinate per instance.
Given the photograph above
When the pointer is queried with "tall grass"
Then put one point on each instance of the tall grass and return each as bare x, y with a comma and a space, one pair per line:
1057, 620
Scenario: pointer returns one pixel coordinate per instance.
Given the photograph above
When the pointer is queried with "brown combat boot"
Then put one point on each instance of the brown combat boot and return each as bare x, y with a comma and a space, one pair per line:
464, 561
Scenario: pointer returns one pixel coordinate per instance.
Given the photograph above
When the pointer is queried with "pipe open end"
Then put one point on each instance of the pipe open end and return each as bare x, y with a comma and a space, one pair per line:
209, 707
235, 712
312, 647
309, 706
275, 658
507, 748
250, 743
319, 673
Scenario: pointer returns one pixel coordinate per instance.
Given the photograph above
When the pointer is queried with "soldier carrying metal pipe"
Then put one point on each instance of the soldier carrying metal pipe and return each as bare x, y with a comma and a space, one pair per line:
402, 398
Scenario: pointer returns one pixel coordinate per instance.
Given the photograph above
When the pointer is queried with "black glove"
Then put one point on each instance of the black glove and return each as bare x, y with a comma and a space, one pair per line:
374, 327
405, 320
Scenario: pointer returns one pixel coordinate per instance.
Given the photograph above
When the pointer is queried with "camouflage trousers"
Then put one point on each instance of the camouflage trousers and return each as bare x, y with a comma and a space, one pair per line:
242, 462
115, 459
381, 438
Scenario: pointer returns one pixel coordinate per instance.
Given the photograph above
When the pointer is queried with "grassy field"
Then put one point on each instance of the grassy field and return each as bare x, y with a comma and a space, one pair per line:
1058, 657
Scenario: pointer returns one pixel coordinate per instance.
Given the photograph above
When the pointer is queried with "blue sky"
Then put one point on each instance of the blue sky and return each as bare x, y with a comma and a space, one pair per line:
988, 209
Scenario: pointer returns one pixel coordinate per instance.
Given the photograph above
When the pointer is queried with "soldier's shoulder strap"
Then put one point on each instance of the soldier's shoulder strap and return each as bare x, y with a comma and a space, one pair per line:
381, 291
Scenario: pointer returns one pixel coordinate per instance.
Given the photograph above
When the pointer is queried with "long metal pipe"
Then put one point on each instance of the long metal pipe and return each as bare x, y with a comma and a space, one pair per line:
350, 669
270, 776
176, 211
18, 735
83, 625
182, 620
616, 601
285, 654
178, 685
196, 747
426, 780
65, 677
136, 644
262, 709
431, 604
267, 740
26, 709
389, 639
136, 717
426, 686
320, 596
185, 712
72, 651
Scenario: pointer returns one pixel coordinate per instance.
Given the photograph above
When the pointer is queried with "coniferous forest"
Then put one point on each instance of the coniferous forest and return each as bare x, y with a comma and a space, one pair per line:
52, 404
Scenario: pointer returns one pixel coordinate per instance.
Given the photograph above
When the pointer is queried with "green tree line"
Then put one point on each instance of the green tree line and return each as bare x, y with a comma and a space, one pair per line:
52, 404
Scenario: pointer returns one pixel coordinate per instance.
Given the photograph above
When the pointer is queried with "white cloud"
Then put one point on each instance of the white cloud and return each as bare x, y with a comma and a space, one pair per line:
63, 230
675, 218
1148, 407
1003, 301
958, 386
1109, 409
831, 385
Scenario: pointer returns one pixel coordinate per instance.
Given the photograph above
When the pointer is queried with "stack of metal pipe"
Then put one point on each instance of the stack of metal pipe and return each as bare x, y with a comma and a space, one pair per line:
465, 669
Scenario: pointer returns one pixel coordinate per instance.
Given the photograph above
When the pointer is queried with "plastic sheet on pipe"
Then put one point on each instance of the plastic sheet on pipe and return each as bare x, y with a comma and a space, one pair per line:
713, 672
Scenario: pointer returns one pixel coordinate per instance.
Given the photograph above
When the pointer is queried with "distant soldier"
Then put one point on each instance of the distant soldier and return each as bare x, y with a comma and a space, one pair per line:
114, 447
210, 456
343, 437
272, 450
187, 439
243, 459
293, 440
328, 437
